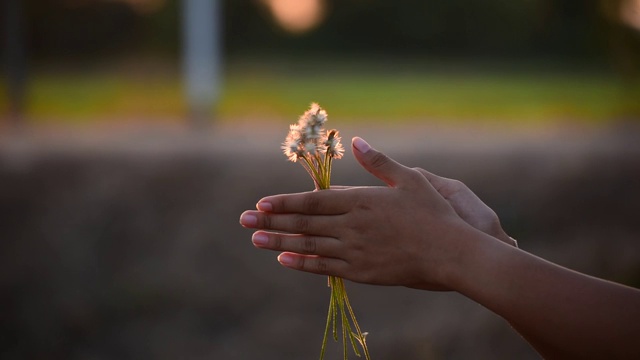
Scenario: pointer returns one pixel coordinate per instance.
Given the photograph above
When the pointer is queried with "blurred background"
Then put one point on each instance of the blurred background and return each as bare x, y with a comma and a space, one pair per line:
133, 133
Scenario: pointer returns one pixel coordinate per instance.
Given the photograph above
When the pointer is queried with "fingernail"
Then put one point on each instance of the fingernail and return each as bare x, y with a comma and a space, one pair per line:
264, 206
361, 145
260, 239
285, 259
248, 220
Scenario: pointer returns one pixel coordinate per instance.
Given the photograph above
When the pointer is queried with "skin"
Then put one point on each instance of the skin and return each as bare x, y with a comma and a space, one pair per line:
427, 232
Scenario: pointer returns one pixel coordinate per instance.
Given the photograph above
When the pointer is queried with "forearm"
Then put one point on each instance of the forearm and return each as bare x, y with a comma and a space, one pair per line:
552, 307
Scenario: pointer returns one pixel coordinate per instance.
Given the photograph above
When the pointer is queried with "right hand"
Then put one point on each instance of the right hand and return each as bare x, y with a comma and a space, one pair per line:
468, 206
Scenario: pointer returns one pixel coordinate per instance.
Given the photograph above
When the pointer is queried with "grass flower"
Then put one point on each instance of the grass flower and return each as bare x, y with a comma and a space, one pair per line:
314, 148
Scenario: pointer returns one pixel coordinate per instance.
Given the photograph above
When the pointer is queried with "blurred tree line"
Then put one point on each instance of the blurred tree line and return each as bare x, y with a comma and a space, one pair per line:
584, 31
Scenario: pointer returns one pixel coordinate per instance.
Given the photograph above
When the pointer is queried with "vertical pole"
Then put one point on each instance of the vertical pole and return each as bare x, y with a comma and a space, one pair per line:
201, 24
16, 71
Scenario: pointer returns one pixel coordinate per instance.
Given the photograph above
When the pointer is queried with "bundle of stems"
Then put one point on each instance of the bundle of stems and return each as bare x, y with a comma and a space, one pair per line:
339, 304
315, 149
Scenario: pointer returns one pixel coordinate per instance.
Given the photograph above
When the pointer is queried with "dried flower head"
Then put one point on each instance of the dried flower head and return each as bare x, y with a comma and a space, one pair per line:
292, 146
333, 146
308, 138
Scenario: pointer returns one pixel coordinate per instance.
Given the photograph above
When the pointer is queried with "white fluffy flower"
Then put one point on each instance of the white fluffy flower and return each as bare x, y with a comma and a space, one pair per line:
292, 144
307, 138
334, 147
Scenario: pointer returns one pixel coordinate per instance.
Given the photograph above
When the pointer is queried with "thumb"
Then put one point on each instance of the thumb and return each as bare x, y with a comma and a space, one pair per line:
380, 165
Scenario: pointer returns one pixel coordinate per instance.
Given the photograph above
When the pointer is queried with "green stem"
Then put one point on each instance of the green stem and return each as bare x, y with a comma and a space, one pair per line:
313, 171
330, 315
361, 337
334, 300
328, 168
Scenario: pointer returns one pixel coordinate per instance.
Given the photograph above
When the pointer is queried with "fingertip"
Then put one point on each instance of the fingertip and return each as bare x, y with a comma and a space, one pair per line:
360, 145
248, 219
264, 205
286, 259
260, 239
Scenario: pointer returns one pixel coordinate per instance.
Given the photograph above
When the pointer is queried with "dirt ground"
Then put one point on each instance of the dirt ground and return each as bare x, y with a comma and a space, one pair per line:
125, 243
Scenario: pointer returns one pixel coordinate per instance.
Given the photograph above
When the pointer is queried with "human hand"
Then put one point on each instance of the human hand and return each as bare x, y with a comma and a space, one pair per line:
466, 204
405, 234
469, 206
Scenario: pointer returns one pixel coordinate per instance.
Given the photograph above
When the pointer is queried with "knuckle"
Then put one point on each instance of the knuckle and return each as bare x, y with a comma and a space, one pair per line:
413, 176
457, 184
311, 203
277, 242
357, 222
365, 277
321, 266
301, 224
364, 207
363, 204
280, 204
309, 245
266, 222
379, 160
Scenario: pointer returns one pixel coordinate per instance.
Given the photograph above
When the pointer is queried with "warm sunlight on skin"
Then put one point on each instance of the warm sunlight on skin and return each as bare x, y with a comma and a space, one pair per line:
630, 13
297, 16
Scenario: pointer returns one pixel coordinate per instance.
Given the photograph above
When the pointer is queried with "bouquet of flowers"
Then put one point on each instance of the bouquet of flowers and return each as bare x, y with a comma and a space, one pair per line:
309, 144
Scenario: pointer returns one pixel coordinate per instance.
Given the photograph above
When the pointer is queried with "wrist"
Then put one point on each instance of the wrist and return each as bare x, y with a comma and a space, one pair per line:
471, 245
478, 256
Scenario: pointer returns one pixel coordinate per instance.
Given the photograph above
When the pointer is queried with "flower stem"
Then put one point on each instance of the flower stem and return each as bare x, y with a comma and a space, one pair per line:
330, 315
361, 337
339, 301
319, 168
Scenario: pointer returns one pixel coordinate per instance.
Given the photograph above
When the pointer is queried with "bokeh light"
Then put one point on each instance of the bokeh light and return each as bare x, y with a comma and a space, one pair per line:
630, 13
297, 16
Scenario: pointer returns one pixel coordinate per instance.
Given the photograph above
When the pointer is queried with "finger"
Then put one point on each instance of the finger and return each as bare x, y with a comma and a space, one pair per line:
383, 167
314, 264
300, 244
291, 223
445, 186
323, 202
435, 180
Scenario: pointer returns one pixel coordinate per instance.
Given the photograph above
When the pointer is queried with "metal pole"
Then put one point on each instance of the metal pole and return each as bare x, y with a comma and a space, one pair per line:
202, 58
16, 67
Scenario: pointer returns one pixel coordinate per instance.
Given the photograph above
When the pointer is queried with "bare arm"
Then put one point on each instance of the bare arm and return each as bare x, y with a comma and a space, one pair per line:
562, 313
412, 234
